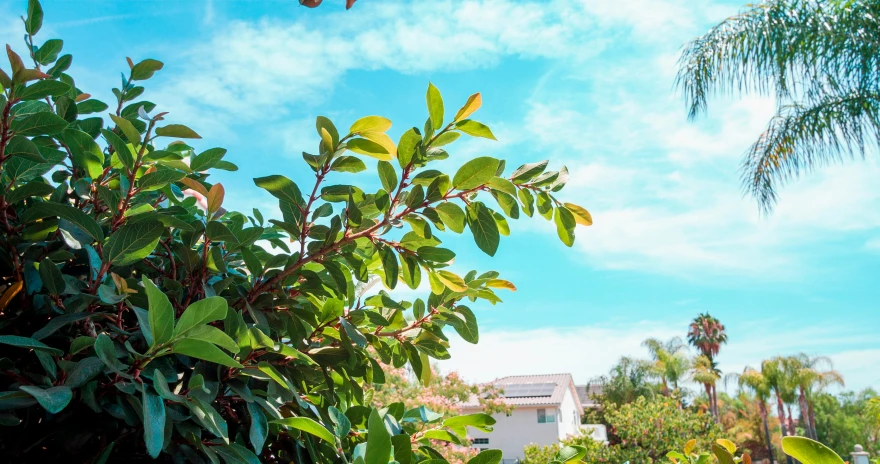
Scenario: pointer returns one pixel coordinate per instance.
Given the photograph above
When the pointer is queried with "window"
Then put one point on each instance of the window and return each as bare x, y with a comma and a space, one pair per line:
544, 418
480, 441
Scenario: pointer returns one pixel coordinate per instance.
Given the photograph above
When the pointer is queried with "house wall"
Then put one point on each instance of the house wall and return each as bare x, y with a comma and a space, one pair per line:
512, 433
570, 420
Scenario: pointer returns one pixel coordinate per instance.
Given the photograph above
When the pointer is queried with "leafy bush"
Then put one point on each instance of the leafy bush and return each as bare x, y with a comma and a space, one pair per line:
139, 318
578, 447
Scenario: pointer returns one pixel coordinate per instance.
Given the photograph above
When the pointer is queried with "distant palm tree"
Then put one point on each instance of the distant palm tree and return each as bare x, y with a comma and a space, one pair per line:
773, 371
670, 364
808, 377
756, 383
819, 59
707, 334
628, 379
703, 371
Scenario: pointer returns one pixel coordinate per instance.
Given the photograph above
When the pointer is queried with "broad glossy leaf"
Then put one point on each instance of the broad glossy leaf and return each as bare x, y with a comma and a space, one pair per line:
435, 106
53, 399
492, 456
370, 123
74, 215
475, 172
39, 124
475, 129
473, 104
528, 172
154, 421
369, 148
452, 216
44, 88
145, 69
204, 350
161, 314
280, 187
378, 440
178, 131
809, 451
29, 343
581, 215
387, 175
51, 277
201, 312
127, 128
22, 147
259, 429
484, 228
309, 426
133, 242
84, 371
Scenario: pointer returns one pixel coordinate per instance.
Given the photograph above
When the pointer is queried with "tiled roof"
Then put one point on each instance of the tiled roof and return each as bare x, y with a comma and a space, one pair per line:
585, 394
561, 382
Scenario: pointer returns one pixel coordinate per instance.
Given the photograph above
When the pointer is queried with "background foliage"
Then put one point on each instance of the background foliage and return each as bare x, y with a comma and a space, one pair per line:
140, 318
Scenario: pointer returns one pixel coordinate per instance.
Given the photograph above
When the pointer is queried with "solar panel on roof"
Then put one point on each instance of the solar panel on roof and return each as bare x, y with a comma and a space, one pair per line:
526, 390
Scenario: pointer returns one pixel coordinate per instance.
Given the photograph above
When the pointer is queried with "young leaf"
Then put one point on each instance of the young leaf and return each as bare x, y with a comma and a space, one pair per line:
565, 225
473, 104
388, 176
809, 451
127, 128
581, 215
280, 187
161, 314
144, 70
475, 129
370, 124
369, 148
528, 172
435, 106
34, 20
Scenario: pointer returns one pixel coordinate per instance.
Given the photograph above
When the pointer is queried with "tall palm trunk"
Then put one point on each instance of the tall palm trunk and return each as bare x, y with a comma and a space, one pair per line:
715, 403
813, 418
791, 429
805, 414
708, 388
780, 410
762, 407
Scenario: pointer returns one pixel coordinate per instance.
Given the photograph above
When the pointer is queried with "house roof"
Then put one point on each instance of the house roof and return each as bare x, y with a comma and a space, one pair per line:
533, 390
585, 394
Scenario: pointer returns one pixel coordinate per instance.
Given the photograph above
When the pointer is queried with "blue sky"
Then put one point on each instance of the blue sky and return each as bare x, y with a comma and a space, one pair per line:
585, 83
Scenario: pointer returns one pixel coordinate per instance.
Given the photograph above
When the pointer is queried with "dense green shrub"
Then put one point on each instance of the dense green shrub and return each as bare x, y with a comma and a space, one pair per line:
642, 431
139, 318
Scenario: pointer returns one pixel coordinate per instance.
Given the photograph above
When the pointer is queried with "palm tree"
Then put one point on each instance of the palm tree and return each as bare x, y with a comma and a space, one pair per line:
809, 377
707, 334
819, 59
628, 379
774, 373
670, 364
756, 382
703, 371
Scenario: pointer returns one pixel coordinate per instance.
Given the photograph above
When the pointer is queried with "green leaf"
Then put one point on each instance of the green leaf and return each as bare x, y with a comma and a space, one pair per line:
723, 455
388, 176
369, 148
107, 352
353, 333
475, 129
51, 277
389, 266
435, 106
201, 312
39, 124
144, 70
467, 329
74, 215
343, 424
31, 189
207, 159
54, 399
22, 147
84, 371
178, 131
528, 172
480, 421
378, 440
208, 417
42, 89
29, 343
581, 215
407, 146
370, 124
484, 228
452, 281
446, 138
324, 124
565, 224
126, 157
475, 172
133, 242
348, 164
809, 451
154, 422
204, 350
127, 128
161, 313
158, 179
492, 456
162, 388
213, 335
452, 216
473, 104
48, 52
309, 426
280, 187
259, 426
34, 20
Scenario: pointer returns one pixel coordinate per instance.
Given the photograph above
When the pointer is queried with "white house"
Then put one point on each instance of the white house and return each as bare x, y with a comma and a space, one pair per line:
547, 409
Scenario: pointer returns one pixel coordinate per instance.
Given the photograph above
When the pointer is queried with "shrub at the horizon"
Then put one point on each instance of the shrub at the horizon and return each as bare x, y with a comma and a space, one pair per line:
138, 318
